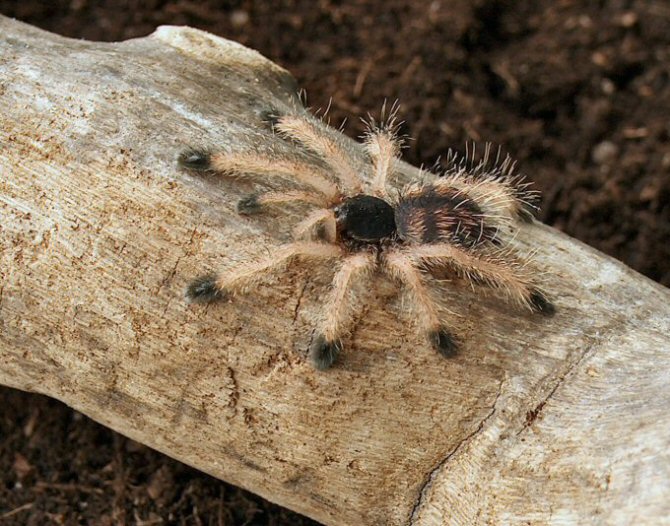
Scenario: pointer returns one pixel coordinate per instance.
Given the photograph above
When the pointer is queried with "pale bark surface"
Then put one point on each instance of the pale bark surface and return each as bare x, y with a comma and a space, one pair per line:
541, 421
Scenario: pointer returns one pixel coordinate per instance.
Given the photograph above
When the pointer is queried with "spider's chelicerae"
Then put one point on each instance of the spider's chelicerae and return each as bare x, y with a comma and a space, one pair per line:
460, 223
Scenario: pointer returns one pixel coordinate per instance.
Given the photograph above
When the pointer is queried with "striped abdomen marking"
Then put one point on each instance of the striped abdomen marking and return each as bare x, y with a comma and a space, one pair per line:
430, 214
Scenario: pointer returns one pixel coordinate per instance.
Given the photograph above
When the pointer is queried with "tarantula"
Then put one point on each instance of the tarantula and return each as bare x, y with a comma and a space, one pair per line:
460, 223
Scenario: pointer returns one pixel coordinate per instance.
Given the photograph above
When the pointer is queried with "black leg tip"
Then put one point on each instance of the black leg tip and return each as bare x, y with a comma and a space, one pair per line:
444, 343
323, 353
541, 304
195, 159
249, 205
270, 117
204, 290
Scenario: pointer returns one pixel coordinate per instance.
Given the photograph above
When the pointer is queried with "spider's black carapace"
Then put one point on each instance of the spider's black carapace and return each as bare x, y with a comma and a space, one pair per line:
365, 218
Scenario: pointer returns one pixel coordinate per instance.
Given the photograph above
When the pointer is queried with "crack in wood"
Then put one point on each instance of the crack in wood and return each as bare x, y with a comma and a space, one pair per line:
438, 468
533, 414
296, 310
173, 272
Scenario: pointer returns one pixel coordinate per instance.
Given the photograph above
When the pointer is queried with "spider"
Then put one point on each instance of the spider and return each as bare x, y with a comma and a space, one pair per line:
461, 222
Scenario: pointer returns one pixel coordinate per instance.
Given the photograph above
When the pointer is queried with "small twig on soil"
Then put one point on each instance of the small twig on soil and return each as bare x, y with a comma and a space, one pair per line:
149, 522
220, 511
68, 487
119, 485
360, 78
13, 512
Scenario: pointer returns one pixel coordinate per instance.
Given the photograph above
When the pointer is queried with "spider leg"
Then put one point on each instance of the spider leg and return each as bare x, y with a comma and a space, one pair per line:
318, 224
498, 270
252, 165
403, 268
493, 184
384, 150
254, 203
210, 288
499, 199
339, 308
333, 151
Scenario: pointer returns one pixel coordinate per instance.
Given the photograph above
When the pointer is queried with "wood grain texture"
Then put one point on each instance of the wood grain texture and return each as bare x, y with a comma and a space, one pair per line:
536, 421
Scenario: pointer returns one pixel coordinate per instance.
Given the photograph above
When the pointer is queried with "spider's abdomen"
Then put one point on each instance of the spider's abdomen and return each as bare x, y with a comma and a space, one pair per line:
365, 218
434, 214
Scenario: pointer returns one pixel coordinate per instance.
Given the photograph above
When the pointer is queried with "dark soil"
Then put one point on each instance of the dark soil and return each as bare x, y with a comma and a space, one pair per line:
579, 92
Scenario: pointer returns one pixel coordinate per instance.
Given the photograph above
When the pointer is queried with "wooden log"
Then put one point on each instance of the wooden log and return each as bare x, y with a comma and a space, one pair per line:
536, 421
